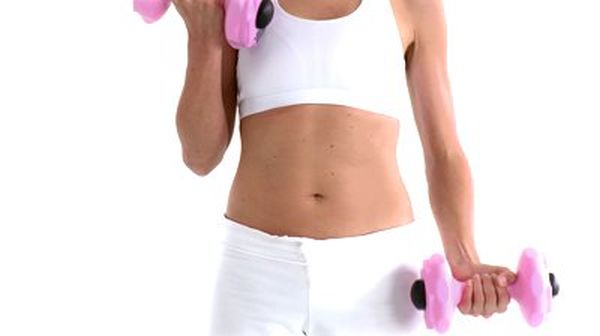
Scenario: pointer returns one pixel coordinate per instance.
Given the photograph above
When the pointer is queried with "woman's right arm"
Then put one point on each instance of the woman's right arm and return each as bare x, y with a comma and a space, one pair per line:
206, 109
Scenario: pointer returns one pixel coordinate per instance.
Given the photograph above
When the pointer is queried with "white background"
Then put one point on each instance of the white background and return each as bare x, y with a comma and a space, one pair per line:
104, 231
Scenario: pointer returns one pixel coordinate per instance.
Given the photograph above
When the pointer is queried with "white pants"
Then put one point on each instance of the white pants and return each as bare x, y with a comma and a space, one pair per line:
282, 285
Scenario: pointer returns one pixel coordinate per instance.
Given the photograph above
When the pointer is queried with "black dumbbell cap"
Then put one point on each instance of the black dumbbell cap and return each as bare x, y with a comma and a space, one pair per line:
417, 294
554, 284
265, 14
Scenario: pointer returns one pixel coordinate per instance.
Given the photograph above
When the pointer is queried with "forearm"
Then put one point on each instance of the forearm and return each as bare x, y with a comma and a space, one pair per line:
451, 197
199, 119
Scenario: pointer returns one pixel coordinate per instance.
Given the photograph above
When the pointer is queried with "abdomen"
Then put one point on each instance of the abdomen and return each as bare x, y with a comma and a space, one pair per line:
319, 171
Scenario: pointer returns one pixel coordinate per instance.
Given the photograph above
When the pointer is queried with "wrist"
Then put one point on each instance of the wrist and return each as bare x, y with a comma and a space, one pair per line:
459, 253
208, 25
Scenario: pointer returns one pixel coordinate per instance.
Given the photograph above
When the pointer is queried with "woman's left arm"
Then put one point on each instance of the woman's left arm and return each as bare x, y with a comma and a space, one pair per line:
449, 178
448, 173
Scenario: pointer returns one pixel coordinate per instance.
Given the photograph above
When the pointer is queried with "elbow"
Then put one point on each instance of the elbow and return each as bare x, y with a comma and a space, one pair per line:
444, 161
203, 152
442, 155
199, 170
199, 167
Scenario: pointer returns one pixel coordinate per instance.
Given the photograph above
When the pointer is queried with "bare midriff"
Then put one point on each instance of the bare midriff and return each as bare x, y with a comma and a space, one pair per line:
319, 171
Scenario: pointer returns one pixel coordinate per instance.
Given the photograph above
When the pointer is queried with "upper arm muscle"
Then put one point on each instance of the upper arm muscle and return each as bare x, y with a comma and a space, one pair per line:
427, 79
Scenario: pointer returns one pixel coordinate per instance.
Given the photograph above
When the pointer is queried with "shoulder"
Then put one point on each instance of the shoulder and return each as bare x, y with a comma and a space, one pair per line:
420, 8
420, 19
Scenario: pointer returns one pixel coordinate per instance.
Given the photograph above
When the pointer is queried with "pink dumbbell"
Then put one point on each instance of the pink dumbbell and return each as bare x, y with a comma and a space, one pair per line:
438, 293
244, 19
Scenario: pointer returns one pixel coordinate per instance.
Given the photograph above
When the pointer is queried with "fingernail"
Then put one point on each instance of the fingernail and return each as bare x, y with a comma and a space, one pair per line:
502, 280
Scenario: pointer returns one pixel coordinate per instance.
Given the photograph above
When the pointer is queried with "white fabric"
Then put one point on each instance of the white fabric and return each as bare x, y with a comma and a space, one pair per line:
279, 285
354, 60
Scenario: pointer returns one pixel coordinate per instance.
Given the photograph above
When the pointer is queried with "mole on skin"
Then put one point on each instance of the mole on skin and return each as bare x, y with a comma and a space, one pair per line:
320, 196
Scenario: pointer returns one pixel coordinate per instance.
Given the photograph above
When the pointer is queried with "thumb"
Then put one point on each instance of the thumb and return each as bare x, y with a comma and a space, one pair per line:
506, 277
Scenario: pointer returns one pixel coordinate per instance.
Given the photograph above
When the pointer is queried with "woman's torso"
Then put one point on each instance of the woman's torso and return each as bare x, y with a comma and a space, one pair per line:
318, 170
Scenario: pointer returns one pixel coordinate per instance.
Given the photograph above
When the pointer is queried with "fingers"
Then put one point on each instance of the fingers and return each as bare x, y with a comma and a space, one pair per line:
503, 298
490, 300
478, 296
482, 296
467, 300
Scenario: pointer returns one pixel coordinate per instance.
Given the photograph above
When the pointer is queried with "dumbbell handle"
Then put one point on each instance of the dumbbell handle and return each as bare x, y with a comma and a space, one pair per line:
417, 291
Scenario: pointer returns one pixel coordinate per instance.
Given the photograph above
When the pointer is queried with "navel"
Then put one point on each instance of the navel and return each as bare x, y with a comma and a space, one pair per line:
317, 196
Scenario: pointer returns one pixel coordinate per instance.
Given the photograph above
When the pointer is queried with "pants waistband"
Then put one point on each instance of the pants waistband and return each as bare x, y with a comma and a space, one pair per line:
291, 248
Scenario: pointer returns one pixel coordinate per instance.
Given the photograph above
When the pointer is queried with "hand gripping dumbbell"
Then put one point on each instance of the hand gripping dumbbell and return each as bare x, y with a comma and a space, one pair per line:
244, 19
438, 293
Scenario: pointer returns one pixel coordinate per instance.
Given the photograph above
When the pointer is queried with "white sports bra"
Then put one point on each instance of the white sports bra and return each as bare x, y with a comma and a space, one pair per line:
354, 60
